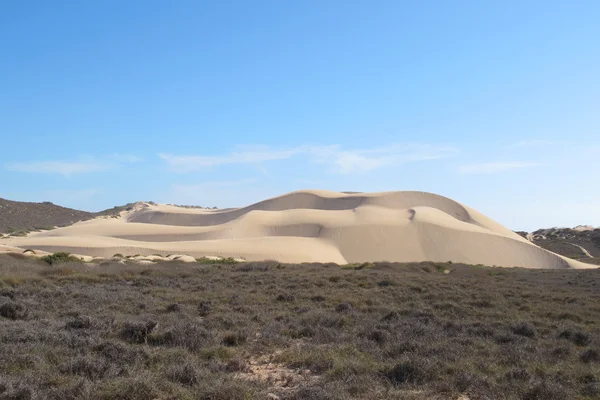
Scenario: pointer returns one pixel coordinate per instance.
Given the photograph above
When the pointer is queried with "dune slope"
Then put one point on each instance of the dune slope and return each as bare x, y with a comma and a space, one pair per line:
318, 226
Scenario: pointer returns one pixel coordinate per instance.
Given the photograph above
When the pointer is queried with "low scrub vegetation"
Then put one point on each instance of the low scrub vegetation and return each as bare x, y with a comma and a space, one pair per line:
59, 258
222, 261
311, 331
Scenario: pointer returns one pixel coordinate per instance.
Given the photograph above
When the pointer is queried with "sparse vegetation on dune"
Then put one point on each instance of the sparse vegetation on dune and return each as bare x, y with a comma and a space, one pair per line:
59, 258
310, 331
222, 261
569, 242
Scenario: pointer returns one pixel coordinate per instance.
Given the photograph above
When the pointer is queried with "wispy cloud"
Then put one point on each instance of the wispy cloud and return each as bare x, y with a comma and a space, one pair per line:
537, 143
187, 163
197, 187
365, 160
125, 158
342, 160
65, 168
495, 167
71, 194
73, 167
222, 193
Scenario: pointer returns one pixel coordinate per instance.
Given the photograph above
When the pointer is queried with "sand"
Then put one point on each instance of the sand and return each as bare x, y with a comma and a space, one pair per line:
305, 226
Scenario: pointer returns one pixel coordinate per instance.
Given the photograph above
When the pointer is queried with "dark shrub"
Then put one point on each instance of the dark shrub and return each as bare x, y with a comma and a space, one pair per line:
286, 297
237, 365
317, 298
524, 329
311, 393
391, 316
189, 335
173, 307
226, 389
416, 372
81, 322
205, 308
465, 381
119, 353
79, 389
17, 391
590, 355
482, 304
505, 338
547, 391
378, 336
577, 337
90, 368
234, 338
518, 374
138, 387
137, 332
13, 310
385, 283
588, 378
591, 390
344, 307
7, 293
561, 352
581, 339
186, 374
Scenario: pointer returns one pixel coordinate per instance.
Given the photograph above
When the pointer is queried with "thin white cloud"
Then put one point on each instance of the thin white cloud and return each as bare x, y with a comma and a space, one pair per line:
537, 143
495, 167
68, 168
341, 160
197, 187
71, 194
125, 158
365, 160
264, 172
181, 163
216, 193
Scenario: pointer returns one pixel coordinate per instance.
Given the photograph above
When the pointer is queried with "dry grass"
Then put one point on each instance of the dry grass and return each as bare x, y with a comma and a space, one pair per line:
310, 331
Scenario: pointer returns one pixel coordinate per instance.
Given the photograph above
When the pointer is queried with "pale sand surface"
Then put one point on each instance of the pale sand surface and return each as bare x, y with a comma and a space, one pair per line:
305, 226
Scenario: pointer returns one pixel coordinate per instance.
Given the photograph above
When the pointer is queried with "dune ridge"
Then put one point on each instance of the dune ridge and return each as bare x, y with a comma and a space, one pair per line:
308, 225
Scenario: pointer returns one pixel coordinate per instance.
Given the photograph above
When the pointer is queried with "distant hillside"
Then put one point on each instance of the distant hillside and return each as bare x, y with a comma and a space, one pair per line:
581, 243
18, 217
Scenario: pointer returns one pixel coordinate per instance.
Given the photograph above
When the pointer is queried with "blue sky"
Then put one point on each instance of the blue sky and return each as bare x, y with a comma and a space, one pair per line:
494, 104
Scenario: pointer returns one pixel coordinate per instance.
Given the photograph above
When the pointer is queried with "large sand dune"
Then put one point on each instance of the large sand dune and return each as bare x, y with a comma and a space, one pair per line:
307, 226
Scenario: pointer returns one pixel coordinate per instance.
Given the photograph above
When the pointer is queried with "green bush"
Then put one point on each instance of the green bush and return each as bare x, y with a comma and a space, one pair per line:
59, 258
205, 260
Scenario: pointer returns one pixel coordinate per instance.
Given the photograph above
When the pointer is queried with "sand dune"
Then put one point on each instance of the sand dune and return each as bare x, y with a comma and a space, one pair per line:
307, 226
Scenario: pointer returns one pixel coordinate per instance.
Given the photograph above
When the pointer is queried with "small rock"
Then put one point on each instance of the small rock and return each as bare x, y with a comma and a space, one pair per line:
272, 396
